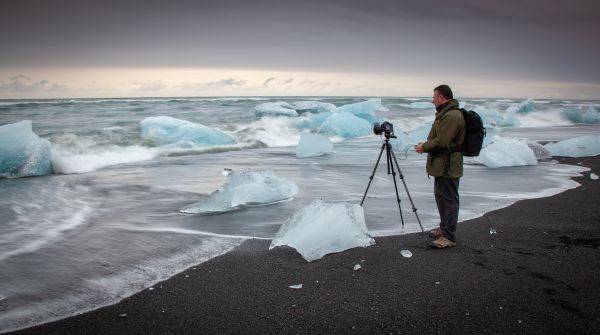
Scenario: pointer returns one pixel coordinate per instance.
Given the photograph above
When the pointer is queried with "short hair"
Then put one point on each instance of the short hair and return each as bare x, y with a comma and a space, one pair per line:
445, 91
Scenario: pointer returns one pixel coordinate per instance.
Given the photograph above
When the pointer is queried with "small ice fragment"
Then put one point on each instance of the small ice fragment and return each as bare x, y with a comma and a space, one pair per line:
2, 297
437, 282
357, 267
520, 321
492, 231
406, 253
124, 315
151, 289
593, 176
187, 276
227, 171
298, 286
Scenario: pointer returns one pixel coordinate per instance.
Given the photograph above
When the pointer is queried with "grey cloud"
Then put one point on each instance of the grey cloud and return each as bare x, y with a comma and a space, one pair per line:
230, 82
226, 82
289, 81
16, 85
268, 81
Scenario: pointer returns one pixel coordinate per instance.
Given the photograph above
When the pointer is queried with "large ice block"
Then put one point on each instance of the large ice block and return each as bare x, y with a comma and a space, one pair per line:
506, 152
591, 116
322, 228
246, 188
22, 152
312, 145
168, 130
583, 146
345, 125
364, 107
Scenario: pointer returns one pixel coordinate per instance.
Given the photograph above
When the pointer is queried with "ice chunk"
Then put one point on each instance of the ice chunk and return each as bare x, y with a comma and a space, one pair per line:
322, 228
526, 106
168, 130
345, 125
250, 188
539, 150
420, 134
313, 107
364, 107
510, 118
312, 145
357, 267
279, 108
506, 152
583, 146
572, 114
488, 116
406, 253
22, 152
593, 176
314, 121
419, 105
297, 286
591, 116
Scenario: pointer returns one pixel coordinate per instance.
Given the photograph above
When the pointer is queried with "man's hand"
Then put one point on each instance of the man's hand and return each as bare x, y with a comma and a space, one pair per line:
419, 148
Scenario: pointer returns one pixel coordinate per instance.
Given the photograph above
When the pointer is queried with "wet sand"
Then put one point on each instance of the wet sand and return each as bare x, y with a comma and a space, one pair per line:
538, 274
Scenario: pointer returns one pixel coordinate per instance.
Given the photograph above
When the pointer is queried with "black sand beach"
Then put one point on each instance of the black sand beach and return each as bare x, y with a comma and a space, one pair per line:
539, 274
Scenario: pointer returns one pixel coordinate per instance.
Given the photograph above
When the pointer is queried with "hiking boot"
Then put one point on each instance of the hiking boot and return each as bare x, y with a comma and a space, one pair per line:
442, 242
436, 233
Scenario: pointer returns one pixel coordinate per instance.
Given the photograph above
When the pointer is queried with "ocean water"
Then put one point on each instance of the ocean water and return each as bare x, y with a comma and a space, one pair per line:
108, 224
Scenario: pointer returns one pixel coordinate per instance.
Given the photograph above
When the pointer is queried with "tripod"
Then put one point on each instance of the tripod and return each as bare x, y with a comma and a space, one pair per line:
391, 160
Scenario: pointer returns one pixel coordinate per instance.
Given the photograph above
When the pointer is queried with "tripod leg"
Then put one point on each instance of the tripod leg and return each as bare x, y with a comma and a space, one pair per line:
408, 194
391, 167
372, 174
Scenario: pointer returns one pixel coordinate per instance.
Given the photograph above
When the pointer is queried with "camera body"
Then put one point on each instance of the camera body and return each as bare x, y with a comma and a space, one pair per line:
385, 128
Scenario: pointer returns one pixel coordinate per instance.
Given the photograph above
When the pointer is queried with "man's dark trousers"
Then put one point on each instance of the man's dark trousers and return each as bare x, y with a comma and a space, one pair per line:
446, 197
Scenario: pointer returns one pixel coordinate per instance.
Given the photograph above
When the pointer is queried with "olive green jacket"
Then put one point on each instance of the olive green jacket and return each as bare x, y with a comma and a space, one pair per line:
447, 130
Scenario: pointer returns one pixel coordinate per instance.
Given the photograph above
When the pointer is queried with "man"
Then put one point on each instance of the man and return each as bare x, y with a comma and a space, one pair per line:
444, 163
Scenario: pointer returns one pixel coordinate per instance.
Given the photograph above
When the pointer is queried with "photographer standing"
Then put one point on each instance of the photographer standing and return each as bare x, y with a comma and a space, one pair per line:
446, 165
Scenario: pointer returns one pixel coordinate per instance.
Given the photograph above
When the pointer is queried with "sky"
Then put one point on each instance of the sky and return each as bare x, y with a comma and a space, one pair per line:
89, 48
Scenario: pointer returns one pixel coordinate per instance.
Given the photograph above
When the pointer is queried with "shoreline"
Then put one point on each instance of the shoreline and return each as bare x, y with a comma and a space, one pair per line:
534, 275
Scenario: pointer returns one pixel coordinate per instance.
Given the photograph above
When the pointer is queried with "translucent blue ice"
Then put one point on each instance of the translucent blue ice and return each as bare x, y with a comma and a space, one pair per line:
312, 145
313, 107
488, 116
583, 146
591, 116
168, 130
22, 152
510, 118
506, 152
246, 188
526, 106
572, 114
313, 121
364, 107
323, 228
279, 108
345, 125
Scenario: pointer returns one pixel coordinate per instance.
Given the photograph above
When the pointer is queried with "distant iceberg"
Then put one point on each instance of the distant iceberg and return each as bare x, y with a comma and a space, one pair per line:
22, 152
510, 118
364, 107
419, 105
280, 108
313, 107
488, 116
312, 145
345, 125
168, 130
572, 114
583, 146
591, 116
322, 228
506, 152
526, 106
246, 188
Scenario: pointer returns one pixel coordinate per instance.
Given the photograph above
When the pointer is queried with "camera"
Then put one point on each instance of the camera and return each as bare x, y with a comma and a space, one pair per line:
385, 128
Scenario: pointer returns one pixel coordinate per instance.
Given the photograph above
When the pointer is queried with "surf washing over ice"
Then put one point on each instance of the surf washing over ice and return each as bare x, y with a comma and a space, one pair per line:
111, 196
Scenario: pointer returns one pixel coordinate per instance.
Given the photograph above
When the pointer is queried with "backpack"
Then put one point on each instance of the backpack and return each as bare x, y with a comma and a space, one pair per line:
474, 134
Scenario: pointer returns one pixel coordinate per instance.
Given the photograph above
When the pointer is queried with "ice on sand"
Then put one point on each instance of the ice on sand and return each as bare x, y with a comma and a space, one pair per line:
168, 130
583, 146
539, 150
312, 145
279, 108
22, 152
506, 152
345, 125
313, 107
322, 228
249, 188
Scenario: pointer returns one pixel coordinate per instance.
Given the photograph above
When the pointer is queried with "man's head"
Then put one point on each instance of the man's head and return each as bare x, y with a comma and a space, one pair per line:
441, 94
